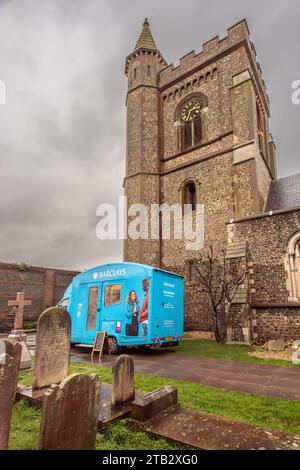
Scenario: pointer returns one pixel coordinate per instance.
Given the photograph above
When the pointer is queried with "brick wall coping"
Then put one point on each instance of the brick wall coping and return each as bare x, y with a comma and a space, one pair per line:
263, 215
37, 268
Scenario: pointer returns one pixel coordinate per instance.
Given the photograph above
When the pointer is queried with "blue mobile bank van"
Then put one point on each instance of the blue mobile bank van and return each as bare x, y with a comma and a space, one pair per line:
137, 305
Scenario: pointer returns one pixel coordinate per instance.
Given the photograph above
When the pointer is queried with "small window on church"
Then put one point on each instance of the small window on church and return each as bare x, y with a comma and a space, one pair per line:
191, 277
190, 195
149, 70
134, 73
260, 130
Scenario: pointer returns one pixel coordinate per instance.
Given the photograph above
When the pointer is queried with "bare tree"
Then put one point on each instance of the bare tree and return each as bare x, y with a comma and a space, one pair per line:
220, 285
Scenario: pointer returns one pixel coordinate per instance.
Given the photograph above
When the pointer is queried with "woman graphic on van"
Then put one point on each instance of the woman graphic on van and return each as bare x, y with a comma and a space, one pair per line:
144, 313
132, 314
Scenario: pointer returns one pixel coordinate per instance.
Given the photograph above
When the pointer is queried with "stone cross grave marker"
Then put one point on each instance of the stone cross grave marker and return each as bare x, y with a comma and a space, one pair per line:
20, 303
70, 414
18, 335
10, 356
52, 350
122, 390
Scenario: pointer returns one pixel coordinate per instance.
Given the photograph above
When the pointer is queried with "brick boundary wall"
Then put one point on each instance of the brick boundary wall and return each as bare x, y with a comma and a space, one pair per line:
43, 286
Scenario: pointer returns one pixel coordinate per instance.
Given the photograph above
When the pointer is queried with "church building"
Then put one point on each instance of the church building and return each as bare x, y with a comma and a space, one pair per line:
199, 132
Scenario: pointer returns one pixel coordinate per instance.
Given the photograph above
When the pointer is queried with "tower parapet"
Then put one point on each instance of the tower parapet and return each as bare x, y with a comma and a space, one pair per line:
238, 35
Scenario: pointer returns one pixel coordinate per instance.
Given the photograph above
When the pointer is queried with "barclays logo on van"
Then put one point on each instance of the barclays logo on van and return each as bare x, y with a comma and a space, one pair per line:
109, 274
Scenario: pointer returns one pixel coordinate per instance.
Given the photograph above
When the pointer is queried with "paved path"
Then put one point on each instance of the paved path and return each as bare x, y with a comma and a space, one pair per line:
273, 381
258, 379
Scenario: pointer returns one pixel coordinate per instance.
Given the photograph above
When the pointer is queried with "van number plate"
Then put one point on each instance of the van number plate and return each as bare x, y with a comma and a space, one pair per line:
169, 338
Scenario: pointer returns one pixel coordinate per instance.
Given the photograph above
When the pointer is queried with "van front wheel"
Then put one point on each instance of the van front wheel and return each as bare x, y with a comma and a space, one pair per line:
113, 345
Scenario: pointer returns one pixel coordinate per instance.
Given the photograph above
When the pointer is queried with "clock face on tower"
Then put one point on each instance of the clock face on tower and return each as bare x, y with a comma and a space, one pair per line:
190, 110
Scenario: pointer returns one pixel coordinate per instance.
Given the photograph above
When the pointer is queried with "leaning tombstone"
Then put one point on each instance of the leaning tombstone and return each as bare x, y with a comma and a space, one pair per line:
10, 357
122, 390
52, 350
70, 414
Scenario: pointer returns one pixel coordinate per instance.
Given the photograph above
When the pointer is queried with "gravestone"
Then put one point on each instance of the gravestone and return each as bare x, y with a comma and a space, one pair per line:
122, 390
152, 403
52, 351
10, 318
10, 356
18, 335
70, 414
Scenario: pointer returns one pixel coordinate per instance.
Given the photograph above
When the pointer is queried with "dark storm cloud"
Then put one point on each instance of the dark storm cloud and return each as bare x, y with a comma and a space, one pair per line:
62, 131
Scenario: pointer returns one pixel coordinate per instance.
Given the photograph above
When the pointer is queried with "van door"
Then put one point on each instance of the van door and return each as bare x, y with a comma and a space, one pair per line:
112, 307
89, 298
166, 306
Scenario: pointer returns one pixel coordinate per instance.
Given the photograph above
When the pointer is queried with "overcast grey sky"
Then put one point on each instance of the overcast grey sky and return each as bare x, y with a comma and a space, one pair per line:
62, 131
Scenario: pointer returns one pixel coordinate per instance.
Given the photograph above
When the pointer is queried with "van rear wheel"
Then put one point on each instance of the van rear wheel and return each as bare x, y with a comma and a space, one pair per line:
113, 345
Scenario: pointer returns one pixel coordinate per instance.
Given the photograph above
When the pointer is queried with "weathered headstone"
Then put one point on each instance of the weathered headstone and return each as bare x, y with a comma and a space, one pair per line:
52, 351
18, 334
70, 414
10, 318
10, 355
122, 390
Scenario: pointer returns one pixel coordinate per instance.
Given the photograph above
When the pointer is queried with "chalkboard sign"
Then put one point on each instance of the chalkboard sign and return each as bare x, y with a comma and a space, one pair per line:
100, 340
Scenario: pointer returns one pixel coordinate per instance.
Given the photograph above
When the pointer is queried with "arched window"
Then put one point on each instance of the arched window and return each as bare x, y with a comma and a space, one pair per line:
293, 267
189, 194
189, 121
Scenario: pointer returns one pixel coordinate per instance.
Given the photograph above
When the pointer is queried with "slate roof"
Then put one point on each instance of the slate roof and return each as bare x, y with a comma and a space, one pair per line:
284, 193
146, 40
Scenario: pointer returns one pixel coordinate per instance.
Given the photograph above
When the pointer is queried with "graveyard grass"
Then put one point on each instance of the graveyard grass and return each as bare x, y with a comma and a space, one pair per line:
258, 410
25, 430
232, 352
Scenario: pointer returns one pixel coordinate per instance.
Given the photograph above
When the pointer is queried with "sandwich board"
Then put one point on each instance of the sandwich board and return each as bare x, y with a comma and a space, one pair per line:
100, 340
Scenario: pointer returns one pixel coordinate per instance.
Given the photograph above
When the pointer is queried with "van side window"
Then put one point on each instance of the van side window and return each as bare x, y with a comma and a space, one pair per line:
93, 302
112, 294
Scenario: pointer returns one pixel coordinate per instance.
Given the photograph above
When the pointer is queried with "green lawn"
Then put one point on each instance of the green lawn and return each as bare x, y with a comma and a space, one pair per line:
258, 410
233, 352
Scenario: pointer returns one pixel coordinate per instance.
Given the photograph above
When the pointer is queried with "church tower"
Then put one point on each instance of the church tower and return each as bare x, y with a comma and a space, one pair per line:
197, 133
142, 182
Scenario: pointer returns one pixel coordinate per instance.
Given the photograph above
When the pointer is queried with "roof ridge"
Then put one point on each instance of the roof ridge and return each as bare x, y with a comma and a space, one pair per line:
287, 176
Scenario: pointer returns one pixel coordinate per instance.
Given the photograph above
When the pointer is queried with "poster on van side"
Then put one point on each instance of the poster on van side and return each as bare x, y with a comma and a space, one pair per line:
137, 310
